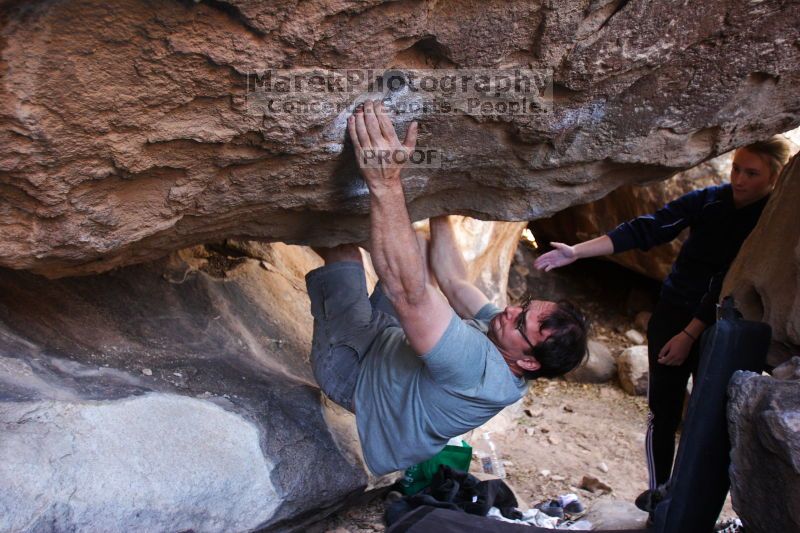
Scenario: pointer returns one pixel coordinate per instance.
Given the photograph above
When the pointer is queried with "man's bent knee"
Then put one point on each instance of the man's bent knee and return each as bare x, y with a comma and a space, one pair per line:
336, 371
343, 252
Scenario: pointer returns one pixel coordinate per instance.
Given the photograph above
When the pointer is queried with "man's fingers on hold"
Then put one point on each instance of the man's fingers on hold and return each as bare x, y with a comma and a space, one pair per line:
385, 123
373, 128
351, 129
361, 131
411, 136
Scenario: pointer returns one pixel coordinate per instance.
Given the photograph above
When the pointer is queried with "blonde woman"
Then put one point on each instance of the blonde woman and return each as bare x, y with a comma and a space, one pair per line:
719, 219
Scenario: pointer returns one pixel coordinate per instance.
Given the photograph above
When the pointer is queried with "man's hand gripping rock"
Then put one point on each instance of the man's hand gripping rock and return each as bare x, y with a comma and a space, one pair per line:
380, 154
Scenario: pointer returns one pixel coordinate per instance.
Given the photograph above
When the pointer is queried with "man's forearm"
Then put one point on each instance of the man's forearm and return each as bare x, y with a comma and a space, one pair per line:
393, 244
446, 260
422, 311
450, 270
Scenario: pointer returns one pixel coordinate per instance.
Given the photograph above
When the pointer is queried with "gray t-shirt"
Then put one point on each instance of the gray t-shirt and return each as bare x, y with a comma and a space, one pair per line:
409, 406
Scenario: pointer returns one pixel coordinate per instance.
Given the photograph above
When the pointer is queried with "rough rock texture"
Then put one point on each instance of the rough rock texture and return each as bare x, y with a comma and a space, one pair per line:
765, 277
633, 371
177, 395
764, 426
788, 370
126, 131
584, 222
598, 367
174, 395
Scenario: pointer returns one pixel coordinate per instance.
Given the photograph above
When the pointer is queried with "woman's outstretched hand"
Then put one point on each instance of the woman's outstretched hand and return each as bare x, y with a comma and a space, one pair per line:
561, 255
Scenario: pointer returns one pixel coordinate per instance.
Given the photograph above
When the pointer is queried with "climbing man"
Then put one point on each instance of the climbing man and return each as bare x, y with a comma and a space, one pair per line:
412, 371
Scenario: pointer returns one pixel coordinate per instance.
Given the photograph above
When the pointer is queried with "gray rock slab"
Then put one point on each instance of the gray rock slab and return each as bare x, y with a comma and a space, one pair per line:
764, 427
227, 429
156, 462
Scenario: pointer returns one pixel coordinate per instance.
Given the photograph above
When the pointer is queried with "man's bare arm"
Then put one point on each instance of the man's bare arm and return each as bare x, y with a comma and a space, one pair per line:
423, 312
450, 270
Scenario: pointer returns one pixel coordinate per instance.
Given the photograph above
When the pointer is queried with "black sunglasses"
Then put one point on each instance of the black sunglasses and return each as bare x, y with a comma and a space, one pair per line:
520, 326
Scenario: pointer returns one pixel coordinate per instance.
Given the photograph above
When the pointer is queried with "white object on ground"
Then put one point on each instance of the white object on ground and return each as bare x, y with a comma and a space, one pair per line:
566, 499
634, 336
486, 452
531, 517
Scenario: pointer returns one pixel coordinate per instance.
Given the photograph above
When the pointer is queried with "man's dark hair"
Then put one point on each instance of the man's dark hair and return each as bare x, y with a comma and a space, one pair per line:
565, 347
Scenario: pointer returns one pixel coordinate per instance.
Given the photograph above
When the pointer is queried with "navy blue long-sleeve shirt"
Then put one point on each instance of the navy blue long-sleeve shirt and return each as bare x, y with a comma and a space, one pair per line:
717, 231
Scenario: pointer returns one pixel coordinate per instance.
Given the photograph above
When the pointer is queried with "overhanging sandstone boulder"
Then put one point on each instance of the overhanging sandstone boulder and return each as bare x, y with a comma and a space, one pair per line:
126, 132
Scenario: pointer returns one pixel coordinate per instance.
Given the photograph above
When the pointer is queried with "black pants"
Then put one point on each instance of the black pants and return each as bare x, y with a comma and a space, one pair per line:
666, 390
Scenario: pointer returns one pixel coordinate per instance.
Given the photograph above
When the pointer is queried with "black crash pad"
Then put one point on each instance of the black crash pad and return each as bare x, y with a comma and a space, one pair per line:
428, 519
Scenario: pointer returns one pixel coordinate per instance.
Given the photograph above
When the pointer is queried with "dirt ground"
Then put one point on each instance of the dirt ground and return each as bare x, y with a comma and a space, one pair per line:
568, 430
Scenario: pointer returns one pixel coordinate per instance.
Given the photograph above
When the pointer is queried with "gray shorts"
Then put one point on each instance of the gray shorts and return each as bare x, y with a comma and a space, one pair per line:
346, 323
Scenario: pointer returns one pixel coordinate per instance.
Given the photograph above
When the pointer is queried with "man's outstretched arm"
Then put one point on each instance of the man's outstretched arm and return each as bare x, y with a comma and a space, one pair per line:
422, 310
450, 270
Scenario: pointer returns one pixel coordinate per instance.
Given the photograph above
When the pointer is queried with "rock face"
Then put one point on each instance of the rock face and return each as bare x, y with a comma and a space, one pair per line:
765, 277
173, 385
177, 395
60, 449
174, 395
130, 130
764, 426
633, 370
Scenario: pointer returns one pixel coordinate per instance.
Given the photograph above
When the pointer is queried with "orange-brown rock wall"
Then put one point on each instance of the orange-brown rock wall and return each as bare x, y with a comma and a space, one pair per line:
125, 131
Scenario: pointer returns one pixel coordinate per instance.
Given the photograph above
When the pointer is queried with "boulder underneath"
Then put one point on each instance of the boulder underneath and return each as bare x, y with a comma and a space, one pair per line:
764, 426
599, 365
140, 463
633, 371
169, 396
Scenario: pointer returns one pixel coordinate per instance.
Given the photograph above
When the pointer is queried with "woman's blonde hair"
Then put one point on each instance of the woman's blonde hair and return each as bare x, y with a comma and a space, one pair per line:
776, 149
